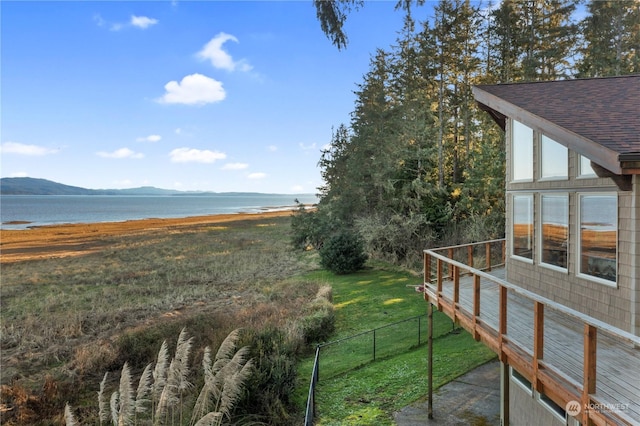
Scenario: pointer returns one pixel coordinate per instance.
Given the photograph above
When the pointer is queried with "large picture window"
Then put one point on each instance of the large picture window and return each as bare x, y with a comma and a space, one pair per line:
521, 152
554, 230
522, 241
598, 236
554, 159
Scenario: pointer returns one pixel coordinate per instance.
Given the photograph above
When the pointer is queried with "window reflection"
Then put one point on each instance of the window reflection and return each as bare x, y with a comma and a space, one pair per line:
598, 236
523, 226
522, 152
555, 229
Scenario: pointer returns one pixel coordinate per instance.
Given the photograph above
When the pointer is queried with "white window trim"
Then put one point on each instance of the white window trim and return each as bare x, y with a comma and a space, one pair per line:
541, 162
578, 251
581, 175
550, 408
533, 223
518, 381
511, 142
539, 236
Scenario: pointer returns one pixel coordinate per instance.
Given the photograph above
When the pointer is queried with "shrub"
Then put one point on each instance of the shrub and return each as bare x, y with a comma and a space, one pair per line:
343, 253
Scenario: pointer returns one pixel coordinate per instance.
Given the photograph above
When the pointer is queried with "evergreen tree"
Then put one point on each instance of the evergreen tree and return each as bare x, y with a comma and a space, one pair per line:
611, 38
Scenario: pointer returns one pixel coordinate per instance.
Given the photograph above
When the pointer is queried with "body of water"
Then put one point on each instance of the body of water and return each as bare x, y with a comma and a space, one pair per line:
23, 211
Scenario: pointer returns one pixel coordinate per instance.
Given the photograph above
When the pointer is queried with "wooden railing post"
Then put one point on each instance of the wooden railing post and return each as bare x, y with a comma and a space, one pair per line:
502, 322
450, 256
589, 373
538, 341
456, 292
476, 306
487, 253
427, 268
470, 255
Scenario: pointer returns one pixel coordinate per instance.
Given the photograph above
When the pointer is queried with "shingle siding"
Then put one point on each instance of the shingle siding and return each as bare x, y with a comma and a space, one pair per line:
615, 304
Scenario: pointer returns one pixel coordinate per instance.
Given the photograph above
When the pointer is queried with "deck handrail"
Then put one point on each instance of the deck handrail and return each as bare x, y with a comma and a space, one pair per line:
498, 339
631, 338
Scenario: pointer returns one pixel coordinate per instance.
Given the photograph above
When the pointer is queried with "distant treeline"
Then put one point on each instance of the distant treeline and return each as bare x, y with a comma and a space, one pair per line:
419, 163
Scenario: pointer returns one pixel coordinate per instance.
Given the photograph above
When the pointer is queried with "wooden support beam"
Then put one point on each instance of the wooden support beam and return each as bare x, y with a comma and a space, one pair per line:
538, 342
589, 370
470, 255
430, 361
487, 253
504, 394
450, 256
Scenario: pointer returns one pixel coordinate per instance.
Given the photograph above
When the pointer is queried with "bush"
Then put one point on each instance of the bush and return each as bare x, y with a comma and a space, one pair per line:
343, 253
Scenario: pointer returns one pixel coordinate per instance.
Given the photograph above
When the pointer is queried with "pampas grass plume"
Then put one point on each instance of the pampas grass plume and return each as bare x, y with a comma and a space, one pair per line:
103, 411
69, 419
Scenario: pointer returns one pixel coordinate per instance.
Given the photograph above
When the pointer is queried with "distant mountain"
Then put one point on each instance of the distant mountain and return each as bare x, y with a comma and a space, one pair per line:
33, 186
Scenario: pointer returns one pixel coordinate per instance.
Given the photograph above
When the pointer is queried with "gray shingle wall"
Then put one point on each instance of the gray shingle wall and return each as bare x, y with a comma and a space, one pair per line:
617, 304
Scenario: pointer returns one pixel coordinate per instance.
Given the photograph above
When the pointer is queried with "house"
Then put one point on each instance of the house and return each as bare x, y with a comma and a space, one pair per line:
571, 254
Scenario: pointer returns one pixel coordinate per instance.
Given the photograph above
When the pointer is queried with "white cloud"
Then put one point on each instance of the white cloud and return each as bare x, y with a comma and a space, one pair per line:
142, 21
116, 27
307, 147
235, 166
192, 155
98, 20
178, 131
120, 153
194, 89
25, 149
272, 148
19, 174
297, 188
219, 58
150, 138
257, 175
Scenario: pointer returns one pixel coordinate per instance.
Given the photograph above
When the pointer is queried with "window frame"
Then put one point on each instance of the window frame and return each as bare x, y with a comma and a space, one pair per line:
542, 162
551, 406
581, 174
540, 248
520, 380
513, 152
512, 253
578, 251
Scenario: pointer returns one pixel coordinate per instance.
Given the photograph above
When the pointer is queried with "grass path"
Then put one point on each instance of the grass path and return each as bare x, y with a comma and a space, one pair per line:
370, 394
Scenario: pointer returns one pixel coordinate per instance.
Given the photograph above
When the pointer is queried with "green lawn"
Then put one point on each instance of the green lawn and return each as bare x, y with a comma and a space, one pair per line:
355, 390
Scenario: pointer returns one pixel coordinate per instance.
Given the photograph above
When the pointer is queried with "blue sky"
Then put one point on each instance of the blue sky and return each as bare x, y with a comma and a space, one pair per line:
203, 95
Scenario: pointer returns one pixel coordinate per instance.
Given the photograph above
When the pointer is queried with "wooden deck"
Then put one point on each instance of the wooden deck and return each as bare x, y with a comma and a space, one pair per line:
566, 355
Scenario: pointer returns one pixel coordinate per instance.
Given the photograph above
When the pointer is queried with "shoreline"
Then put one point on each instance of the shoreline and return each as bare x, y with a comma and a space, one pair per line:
73, 239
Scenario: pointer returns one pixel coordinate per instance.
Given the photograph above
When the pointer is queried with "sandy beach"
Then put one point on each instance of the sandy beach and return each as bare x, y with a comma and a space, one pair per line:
73, 239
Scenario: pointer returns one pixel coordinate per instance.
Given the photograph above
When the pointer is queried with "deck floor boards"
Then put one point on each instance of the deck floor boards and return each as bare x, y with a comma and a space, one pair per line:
618, 364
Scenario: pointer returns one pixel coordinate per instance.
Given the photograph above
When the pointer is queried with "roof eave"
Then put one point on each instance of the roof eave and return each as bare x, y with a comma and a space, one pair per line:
594, 151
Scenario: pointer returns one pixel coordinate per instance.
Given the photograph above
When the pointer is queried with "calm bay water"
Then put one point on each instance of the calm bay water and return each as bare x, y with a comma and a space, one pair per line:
40, 210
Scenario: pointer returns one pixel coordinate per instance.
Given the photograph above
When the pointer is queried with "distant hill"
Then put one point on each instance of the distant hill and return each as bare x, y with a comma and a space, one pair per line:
33, 186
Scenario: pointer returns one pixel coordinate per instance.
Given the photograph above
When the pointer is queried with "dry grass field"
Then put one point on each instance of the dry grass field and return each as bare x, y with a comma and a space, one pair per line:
79, 300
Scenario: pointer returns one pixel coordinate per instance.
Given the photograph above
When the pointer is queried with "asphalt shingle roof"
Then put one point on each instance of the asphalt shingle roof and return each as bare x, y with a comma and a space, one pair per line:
603, 110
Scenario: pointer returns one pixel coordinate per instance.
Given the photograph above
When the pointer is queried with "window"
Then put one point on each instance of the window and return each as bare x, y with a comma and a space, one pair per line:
521, 380
598, 236
521, 152
523, 226
554, 230
585, 168
557, 410
554, 159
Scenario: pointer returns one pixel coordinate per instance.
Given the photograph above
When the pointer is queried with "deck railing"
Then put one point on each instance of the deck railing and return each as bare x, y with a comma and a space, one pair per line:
528, 352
